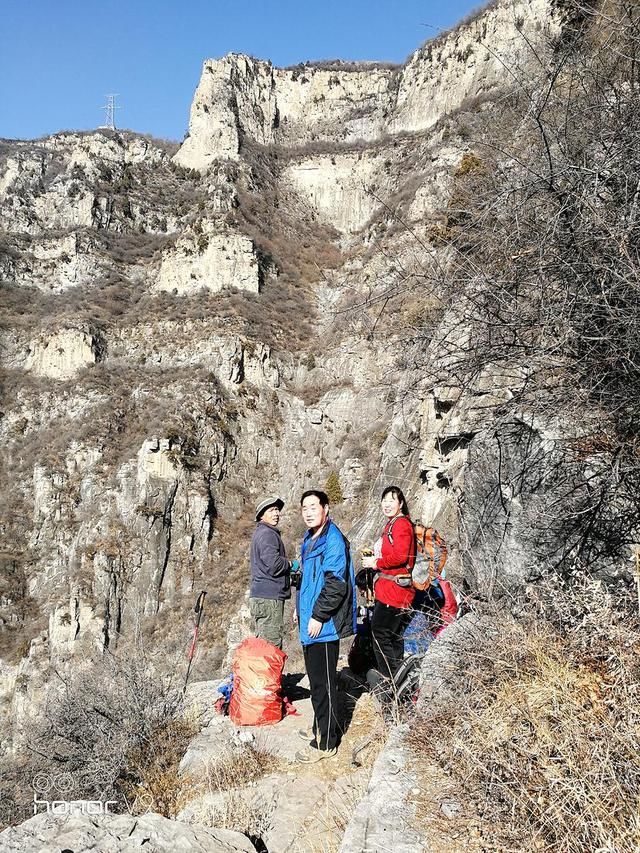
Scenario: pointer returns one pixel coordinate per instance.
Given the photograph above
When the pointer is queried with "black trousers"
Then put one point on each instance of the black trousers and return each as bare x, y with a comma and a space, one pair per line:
321, 662
387, 628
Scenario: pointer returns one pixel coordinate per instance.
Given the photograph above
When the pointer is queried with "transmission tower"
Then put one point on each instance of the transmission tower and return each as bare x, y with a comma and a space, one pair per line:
110, 110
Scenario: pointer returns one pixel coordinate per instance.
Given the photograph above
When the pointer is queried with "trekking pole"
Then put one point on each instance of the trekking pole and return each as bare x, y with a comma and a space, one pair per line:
368, 593
198, 609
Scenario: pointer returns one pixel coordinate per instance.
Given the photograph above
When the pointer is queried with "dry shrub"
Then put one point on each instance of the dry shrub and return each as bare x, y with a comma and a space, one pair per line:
342, 65
543, 741
108, 300
114, 733
152, 782
109, 731
131, 248
469, 163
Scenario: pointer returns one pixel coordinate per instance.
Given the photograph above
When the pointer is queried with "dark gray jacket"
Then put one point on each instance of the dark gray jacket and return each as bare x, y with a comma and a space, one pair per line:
270, 576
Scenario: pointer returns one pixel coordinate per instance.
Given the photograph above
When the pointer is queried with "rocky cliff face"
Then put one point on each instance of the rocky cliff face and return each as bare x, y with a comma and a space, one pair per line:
187, 330
239, 97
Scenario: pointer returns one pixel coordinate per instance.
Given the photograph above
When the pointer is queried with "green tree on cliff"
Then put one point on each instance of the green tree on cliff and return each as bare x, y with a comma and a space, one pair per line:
333, 488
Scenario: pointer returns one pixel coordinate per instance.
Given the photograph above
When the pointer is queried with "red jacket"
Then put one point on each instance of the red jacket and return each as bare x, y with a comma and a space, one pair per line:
397, 559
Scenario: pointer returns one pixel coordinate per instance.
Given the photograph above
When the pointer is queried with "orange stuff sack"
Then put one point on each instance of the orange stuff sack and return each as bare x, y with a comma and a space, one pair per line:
257, 675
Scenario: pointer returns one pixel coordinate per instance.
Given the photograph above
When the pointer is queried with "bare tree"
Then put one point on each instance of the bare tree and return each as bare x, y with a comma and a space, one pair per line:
534, 265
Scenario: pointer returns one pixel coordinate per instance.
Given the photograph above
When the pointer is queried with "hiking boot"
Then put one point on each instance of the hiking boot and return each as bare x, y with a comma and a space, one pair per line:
311, 756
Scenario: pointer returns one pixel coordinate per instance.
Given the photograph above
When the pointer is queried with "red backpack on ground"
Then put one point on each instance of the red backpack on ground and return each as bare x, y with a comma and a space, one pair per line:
257, 675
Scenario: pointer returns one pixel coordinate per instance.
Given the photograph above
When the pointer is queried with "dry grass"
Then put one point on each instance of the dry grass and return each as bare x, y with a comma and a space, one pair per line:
238, 813
543, 745
226, 783
247, 765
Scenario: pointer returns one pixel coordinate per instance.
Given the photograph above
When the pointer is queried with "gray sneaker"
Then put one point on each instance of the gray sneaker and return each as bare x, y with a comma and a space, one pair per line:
311, 756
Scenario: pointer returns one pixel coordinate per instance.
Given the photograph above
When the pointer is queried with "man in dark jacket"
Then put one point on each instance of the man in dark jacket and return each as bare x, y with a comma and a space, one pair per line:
326, 612
270, 573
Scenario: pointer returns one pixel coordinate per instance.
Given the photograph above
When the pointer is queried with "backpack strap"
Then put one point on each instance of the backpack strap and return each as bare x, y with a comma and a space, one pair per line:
390, 538
389, 535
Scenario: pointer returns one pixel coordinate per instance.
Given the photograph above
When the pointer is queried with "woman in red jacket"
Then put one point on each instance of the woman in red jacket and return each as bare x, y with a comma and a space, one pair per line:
393, 560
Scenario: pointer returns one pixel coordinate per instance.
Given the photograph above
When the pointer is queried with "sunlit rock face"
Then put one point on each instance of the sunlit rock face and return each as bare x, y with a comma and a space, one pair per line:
239, 97
213, 262
57, 354
472, 61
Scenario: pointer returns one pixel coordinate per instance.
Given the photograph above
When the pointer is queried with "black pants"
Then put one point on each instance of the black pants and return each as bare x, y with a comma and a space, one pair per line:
321, 662
387, 629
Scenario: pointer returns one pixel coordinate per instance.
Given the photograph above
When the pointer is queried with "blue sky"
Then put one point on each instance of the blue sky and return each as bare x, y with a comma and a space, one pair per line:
59, 58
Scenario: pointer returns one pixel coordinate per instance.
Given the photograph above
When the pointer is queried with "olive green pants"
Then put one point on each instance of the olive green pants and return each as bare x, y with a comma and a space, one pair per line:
268, 619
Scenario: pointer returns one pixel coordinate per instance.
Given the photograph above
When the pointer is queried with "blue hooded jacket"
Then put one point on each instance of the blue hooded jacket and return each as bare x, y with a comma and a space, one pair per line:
328, 591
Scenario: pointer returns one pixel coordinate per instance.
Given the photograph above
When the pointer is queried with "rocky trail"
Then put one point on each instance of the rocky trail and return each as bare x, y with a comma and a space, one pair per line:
349, 803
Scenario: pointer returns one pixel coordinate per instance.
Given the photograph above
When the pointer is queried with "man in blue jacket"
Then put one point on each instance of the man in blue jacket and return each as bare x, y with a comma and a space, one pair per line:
326, 612
270, 573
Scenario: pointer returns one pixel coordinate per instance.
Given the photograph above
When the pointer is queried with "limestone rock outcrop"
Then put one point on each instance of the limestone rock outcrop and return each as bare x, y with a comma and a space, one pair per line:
62, 181
210, 262
239, 97
339, 187
46, 833
54, 264
474, 60
382, 819
58, 354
